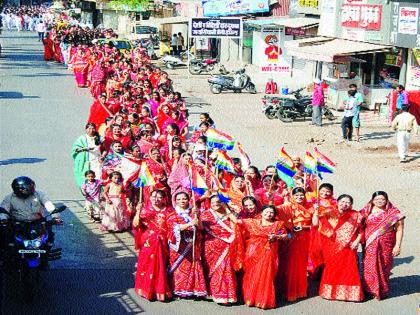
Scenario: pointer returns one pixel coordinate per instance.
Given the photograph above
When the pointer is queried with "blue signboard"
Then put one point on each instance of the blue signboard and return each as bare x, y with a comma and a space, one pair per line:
213, 8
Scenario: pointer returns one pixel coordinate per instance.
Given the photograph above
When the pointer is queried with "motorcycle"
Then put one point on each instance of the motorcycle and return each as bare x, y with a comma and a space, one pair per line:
197, 66
238, 82
29, 249
289, 107
172, 62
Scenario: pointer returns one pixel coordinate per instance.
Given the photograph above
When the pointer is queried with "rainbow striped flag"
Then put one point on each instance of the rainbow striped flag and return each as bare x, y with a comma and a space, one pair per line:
145, 177
310, 165
219, 140
221, 191
286, 168
224, 161
198, 184
246, 161
325, 165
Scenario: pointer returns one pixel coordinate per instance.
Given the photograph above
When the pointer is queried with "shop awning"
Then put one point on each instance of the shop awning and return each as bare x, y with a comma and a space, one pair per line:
329, 49
297, 22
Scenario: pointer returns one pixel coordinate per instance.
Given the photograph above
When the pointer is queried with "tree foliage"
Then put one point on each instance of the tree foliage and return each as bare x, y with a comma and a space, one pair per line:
138, 5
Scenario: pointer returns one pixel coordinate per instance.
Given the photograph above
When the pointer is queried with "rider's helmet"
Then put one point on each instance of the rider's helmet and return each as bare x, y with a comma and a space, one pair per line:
23, 186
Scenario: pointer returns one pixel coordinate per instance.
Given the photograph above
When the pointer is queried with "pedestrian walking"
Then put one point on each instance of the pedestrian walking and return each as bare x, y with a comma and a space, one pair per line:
405, 124
350, 110
91, 190
356, 117
174, 44
318, 103
41, 28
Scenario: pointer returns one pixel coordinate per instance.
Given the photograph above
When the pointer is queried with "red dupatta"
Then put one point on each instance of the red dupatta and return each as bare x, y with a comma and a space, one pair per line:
384, 223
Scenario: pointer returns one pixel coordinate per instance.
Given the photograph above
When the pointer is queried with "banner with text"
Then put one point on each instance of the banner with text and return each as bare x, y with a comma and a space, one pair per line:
272, 53
216, 27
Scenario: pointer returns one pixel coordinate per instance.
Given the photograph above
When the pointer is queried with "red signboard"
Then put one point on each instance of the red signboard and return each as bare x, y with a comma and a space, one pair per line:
364, 16
297, 31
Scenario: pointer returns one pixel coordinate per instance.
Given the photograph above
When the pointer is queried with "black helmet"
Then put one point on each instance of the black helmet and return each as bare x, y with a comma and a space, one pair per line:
23, 186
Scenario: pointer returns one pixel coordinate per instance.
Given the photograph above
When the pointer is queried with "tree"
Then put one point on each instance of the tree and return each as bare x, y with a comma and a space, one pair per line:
137, 5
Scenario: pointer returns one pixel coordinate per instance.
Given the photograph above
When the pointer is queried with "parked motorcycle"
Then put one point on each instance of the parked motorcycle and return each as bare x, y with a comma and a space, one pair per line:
198, 66
238, 82
29, 249
172, 61
290, 107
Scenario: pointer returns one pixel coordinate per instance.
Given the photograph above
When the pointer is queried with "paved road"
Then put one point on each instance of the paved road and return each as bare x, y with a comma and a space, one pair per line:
42, 112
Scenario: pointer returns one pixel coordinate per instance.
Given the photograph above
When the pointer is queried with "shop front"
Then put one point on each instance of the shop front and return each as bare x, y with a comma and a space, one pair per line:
341, 62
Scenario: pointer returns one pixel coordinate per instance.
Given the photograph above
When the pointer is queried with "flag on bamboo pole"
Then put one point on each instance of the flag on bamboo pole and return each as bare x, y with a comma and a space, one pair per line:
286, 168
224, 161
221, 191
219, 140
198, 184
325, 165
246, 161
145, 177
310, 164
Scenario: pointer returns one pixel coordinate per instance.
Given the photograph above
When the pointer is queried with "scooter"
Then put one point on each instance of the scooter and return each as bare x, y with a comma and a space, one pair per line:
29, 249
172, 62
198, 66
290, 107
236, 83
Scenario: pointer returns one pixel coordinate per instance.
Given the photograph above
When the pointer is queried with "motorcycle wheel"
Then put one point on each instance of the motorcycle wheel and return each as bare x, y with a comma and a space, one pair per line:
270, 113
284, 117
328, 114
195, 69
251, 88
209, 68
168, 65
29, 279
215, 89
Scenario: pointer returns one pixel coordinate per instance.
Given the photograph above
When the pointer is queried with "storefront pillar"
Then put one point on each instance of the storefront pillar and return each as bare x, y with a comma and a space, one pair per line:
403, 73
373, 72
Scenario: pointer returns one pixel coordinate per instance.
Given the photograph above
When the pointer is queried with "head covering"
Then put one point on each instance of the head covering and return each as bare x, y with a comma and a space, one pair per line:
317, 81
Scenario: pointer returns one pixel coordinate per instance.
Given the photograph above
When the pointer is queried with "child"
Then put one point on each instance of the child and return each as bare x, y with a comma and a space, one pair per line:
350, 110
115, 217
91, 190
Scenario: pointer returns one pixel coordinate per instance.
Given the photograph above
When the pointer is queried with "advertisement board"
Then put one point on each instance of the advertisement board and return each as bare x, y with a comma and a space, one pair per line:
216, 27
408, 20
214, 8
363, 16
272, 53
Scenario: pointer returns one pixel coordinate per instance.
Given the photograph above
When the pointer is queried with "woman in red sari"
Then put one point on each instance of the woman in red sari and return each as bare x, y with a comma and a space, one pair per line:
294, 255
48, 48
269, 194
151, 280
384, 228
261, 258
340, 233
218, 251
80, 67
249, 208
185, 268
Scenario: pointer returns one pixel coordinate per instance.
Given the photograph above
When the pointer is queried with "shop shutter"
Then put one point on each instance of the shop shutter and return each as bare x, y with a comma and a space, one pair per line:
299, 64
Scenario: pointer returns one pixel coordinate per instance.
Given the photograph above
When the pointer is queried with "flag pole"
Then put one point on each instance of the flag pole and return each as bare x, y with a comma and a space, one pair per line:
195, 215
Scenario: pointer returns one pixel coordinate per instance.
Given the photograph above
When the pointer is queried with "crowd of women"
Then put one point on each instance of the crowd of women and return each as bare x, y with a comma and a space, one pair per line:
256, 242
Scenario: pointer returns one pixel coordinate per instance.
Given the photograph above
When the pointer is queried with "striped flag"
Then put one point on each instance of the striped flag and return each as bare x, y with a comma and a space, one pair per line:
198, 184
310, 164
219, 140
246, 161
224, 162
145, 177
221, 191
325, 165
286, 168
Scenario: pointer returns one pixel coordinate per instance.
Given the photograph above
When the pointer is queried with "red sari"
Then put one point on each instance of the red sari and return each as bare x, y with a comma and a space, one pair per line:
217, 261
260, 263
294, 254
80, 67
338, 257
151, 279
48, 49
186, 276
377, 255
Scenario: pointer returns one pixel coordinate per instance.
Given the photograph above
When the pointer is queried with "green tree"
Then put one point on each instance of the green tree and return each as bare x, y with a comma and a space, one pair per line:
137, 5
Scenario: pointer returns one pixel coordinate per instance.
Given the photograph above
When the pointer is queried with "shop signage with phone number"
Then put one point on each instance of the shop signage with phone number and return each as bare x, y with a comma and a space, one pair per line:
363, 16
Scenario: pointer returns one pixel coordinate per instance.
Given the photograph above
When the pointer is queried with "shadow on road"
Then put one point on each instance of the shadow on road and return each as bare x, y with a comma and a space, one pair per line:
52, 74
21, 161
401, 286
14, 95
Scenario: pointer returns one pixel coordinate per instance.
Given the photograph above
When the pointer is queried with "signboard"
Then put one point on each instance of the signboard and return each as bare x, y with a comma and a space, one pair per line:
214, 8
216, 27
308, 6
364, 16
354, 34
408, 19
272, 53
297, 31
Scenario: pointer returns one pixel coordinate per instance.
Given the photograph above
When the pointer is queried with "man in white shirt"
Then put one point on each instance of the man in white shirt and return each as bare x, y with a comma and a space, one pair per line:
405, 124
41, 28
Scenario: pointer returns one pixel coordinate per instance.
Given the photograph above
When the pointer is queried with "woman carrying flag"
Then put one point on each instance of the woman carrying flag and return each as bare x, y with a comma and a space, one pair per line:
219, 253
294, 255
151, 280
184, 234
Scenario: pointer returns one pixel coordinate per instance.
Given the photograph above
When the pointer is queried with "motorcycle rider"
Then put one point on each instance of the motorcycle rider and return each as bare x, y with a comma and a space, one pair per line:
28, 204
